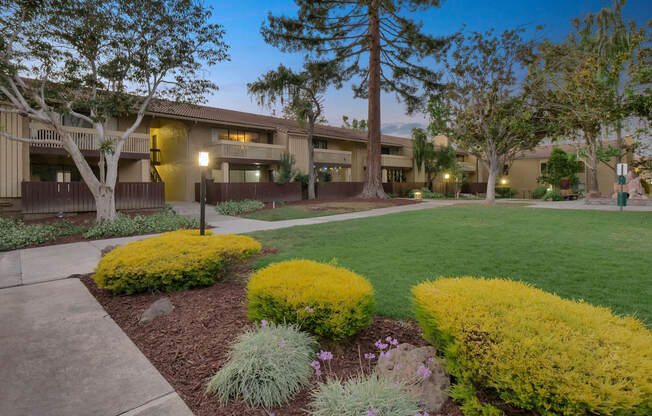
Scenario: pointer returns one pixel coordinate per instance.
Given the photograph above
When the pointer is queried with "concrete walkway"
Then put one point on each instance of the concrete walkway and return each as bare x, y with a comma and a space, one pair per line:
579, 204
61, 355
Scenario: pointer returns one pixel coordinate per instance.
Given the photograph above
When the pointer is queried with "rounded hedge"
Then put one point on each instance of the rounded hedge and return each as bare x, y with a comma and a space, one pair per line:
172, 261
328, 301
536, 350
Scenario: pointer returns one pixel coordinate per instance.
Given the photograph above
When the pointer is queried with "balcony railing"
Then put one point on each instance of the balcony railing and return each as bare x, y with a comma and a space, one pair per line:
229, 149
466, 166
86, 139
332, 157
395, 161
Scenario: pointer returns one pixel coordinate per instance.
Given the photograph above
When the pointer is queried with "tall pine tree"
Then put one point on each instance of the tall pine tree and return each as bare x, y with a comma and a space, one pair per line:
348, 32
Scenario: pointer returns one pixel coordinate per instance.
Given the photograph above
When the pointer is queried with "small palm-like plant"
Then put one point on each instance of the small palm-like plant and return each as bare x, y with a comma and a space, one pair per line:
267, 366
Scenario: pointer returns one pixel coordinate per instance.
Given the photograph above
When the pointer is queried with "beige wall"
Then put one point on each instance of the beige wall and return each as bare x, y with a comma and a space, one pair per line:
172, 139
133, 170
14, 156
298, 146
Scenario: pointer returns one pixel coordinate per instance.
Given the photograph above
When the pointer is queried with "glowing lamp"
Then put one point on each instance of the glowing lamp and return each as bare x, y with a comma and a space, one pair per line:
417, 195
447, 176
203, 159
503, 181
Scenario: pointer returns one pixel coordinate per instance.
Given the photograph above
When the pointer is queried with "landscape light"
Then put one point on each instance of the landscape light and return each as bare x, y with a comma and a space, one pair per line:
503, 181
447, 176
417, 195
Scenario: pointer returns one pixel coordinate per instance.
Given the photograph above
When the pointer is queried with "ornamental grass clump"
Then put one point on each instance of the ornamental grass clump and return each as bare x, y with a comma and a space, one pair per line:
360, 396
172, 261
328, 301
535, 350
267, 366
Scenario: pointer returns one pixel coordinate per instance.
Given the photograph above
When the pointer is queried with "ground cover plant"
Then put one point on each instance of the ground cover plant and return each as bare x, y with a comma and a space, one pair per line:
15, 233
172, 261
538, 351
267, 366
238, 207
123, 225
601, 257
315, 209
328, 301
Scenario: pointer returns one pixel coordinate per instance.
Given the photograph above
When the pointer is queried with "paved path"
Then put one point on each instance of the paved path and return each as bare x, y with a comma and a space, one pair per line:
579, 204
61, 355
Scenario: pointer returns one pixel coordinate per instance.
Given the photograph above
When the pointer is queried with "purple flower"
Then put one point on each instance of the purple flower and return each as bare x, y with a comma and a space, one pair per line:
325, 355
369, 356
372, 411
282, 342
424, 372
422, 414
431, 360
264, 323
315, 364
379, 344
386, 355
392, 341
309, 309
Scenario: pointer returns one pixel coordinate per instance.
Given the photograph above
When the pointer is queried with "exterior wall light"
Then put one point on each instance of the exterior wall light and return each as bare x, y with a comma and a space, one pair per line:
447, 176
203, 159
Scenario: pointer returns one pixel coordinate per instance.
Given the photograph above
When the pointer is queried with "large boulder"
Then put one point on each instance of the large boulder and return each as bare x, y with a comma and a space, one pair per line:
161, 307
421, 371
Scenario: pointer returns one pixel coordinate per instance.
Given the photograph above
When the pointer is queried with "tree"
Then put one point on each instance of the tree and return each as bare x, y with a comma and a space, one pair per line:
345, 31
96, 59
560, 166
286, 171
432, 161
485, 110
354, 124
302, 94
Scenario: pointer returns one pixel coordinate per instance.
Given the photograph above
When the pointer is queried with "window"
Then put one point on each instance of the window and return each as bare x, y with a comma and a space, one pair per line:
320, 143
544, 166
387, 150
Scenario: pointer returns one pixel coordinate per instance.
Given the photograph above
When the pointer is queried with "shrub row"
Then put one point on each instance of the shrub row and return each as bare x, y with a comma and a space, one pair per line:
172, 261
536, 350
164, 220
325, 300
15, 234
239, 207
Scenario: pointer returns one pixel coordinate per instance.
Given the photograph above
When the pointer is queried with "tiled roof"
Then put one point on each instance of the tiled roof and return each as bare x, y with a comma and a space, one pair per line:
224, 116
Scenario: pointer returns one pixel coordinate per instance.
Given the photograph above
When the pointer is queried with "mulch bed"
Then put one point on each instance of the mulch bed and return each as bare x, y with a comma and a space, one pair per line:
191, 344
327, 202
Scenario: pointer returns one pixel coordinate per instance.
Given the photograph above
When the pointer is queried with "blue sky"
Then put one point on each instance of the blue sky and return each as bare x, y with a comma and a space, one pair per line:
251, 56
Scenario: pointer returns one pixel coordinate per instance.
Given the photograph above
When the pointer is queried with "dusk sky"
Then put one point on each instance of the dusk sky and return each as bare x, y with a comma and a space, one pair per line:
251, 56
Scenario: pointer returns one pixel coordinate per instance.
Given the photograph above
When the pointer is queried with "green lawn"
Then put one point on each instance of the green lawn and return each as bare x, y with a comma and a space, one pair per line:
604, 258
290, 212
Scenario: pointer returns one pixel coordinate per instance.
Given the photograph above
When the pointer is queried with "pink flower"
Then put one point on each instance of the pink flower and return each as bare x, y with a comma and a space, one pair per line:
369, 356
424, 372
325, 355
264, 323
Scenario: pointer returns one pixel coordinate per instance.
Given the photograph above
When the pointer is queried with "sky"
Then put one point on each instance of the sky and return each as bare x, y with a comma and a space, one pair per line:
251, 56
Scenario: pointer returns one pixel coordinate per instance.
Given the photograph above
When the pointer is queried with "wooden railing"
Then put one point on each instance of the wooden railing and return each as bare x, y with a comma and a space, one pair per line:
466, 166
396, 161
230, 149
86, 139
332, 157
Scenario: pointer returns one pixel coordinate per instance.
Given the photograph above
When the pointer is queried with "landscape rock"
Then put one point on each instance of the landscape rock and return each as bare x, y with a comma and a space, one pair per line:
161, 307
421, 371
107, 249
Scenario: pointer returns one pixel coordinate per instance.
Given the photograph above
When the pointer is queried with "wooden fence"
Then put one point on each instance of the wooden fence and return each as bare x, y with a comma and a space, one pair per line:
260, 191
474, 188
53, 197
337, 190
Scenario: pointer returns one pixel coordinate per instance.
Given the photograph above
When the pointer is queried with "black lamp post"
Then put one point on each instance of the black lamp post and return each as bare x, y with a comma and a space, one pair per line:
203, 163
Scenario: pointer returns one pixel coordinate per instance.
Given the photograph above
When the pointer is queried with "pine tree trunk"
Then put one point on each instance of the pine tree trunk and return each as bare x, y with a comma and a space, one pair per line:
373, 186
311, 157
105, 204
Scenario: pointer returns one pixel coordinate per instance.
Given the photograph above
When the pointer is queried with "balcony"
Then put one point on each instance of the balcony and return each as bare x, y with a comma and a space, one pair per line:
395, 161
86, 139
466, 166
332, 157
247, 151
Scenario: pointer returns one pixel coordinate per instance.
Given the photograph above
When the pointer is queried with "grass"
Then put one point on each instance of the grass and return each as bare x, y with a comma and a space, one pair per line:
602, 257
316, 209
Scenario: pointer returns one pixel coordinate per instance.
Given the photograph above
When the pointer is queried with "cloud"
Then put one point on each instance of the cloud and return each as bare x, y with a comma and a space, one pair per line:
401, 129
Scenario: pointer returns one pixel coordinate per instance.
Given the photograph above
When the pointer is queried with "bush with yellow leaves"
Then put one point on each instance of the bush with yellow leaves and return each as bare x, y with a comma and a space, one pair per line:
172, 261
328, 301
536, 350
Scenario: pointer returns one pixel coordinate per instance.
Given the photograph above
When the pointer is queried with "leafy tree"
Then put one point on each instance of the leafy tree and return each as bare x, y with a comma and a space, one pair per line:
429, 159
484, 108
345, 32
286, 171
96, 59
560, 166
302, 94
354, 124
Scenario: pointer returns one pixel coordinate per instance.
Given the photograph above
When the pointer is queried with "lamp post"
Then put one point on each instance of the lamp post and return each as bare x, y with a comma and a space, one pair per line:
203, 163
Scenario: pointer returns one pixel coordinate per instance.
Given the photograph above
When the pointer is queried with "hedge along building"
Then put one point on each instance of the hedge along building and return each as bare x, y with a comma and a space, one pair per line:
244, 148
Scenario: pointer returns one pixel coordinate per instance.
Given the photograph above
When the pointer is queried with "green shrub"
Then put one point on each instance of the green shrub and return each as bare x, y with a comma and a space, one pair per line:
505, 192
327, 301
239, 207
266, 366
539, 192
164, 220
535, 350
553, 195
361, 396
426, 194
172, 261
15, 234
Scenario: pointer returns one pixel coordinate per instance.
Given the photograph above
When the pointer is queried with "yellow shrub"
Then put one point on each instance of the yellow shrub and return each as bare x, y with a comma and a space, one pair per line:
326, 300
537, 350
171, 261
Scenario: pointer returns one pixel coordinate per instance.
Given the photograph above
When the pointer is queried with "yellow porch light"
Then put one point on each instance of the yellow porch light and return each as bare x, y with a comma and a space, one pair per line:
203, 159
503, 181
447, 176
417, 195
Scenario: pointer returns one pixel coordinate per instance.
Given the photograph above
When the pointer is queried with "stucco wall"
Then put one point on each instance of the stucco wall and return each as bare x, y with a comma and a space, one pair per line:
130, 170
14, 156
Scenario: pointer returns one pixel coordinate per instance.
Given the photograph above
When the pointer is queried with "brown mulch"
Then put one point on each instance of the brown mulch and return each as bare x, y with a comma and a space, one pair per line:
327, 202
191, 344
